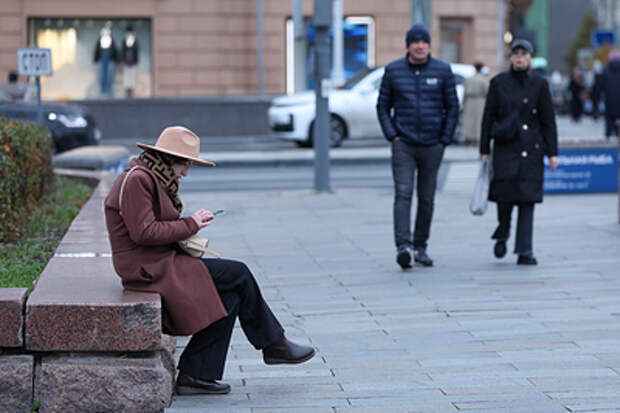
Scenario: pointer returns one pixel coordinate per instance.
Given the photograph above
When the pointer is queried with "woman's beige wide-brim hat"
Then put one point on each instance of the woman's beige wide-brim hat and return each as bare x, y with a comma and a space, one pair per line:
181, 142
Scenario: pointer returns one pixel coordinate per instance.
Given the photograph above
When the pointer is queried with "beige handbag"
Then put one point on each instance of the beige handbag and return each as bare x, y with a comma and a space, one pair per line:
195, 245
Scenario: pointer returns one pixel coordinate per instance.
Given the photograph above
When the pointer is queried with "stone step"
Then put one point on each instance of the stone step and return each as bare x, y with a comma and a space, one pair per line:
12, 316
16, 383
103, 383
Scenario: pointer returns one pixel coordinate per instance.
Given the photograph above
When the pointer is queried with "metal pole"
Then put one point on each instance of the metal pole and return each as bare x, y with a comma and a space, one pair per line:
322, 21
501, 16
428, 14
338, 69
260, 49
39, 107
421, 13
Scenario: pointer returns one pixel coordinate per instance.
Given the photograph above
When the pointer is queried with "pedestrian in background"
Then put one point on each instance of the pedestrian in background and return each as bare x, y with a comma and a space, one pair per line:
596, 89
578, 93
17, 92
474, 94
610, 88
520, 120
418, 110
200, 297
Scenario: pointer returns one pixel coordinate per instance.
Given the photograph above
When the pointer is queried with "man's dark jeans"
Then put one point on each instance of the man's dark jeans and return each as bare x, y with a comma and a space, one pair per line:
408, 161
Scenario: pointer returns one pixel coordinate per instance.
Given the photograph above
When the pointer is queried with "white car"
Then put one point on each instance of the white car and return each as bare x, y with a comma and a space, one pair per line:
352, 107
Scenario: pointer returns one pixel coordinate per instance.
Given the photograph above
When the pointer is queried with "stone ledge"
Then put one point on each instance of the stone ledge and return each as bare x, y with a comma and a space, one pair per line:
16, 383
12, 316
111, 158
96, 383
79, 303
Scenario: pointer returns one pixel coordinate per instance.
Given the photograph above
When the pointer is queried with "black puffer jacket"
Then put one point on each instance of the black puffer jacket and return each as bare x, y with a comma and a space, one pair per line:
519, 118
424, 101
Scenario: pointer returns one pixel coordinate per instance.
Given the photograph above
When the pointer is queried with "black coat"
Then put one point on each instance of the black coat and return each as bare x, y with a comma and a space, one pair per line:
519, 118
610, 86
418, 102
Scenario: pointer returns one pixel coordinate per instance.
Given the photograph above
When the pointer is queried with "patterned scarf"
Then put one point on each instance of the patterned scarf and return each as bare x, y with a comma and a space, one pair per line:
165, 176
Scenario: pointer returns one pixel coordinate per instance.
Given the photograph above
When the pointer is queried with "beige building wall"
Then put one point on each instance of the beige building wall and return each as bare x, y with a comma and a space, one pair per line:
12, 31
209, 47
481, 38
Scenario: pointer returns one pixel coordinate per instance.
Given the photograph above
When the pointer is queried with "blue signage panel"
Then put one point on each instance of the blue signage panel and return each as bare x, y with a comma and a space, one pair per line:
583, 170
355, 50
601, 37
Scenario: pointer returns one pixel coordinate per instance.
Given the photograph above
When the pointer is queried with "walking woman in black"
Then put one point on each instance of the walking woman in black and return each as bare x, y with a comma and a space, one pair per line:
519, 119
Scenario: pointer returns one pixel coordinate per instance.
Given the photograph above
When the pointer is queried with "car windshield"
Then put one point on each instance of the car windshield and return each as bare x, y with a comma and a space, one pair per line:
349, 84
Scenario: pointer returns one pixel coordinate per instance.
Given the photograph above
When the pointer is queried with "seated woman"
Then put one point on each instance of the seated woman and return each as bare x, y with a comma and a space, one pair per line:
200, 297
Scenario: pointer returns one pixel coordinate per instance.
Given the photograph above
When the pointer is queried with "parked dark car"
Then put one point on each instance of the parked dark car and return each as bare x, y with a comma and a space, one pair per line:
69, 126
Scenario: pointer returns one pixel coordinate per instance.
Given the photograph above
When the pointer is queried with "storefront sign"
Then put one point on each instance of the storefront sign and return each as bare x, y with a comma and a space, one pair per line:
32, 61
583, 170
601, 37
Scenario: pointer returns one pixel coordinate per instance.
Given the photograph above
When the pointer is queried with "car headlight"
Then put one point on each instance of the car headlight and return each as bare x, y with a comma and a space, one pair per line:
69, 121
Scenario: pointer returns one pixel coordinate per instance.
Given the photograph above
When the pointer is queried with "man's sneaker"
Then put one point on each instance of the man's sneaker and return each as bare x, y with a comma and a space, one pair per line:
422, 258
403, 257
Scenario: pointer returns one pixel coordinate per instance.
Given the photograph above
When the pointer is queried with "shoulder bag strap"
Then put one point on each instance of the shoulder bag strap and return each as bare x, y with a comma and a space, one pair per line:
120, 194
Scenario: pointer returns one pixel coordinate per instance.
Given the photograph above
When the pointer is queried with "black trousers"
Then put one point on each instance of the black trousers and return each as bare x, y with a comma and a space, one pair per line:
205, 354
611, 128
525, 225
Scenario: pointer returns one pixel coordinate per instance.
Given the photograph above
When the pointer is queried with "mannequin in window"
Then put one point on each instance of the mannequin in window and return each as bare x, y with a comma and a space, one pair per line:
106, 56
129, 55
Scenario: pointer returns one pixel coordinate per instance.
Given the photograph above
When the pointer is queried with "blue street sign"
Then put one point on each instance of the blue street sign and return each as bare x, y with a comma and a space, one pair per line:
583, 170
600, 37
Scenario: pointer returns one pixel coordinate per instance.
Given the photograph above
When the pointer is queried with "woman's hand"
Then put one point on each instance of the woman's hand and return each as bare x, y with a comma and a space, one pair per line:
553, 163
202, 217
484, 156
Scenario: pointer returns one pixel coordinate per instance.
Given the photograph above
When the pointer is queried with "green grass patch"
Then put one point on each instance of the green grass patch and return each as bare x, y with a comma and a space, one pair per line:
22, 261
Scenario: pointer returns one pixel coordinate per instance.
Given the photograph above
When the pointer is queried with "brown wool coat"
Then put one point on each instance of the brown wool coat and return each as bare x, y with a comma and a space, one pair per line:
145, 255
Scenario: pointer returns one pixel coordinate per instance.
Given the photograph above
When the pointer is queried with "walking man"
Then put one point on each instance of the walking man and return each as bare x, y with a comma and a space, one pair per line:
418, 111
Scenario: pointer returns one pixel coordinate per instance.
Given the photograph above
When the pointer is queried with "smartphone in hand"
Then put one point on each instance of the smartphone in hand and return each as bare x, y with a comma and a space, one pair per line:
218, 212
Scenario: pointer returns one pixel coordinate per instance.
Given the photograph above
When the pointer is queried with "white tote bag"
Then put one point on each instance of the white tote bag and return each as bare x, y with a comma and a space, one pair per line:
479, 201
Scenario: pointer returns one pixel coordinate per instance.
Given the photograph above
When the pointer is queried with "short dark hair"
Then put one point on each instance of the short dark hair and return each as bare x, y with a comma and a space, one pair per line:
478, 66
13, 76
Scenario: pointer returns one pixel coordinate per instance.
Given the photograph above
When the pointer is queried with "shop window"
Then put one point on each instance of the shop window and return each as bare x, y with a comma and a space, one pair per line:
455, 39
94, 58
359, 51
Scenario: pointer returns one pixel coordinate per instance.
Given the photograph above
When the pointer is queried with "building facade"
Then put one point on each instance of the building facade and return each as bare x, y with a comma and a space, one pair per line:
209, 47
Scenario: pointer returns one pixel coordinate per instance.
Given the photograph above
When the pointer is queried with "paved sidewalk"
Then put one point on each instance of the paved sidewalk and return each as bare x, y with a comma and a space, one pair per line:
472, 333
